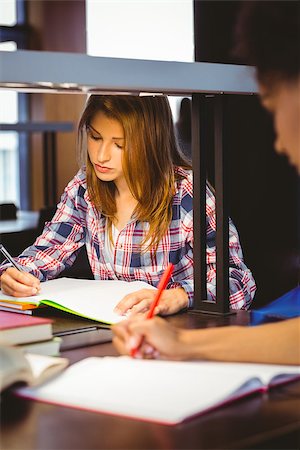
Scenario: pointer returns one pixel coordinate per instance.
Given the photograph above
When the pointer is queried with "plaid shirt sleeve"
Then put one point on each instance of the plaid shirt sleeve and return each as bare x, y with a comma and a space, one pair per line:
242, 286
183, 273
241, 283
57, 246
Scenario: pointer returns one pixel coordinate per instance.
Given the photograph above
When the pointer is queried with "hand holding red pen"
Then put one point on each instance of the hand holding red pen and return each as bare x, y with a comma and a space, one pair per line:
161, 286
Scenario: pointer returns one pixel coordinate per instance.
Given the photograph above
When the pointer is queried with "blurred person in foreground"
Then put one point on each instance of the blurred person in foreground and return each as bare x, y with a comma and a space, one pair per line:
268, 37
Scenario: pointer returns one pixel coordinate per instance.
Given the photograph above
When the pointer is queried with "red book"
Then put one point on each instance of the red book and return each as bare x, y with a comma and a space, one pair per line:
20, 329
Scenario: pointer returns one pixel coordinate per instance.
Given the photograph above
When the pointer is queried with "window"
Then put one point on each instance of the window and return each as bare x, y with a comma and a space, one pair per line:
148, 29
12, 36
9, 173
8, 12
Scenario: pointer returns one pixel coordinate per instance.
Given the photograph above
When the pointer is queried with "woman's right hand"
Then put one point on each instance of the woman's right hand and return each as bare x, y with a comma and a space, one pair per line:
159, 339
19, 284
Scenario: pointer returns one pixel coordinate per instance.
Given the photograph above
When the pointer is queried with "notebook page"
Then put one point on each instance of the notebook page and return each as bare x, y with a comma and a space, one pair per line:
268, 372
40, 363
94, 299
161, 391
34, 299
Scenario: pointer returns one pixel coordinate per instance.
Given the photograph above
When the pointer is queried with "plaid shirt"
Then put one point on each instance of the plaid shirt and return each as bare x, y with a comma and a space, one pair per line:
77, 222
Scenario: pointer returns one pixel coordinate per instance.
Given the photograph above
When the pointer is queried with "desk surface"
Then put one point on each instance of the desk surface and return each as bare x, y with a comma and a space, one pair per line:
26, 220
271, 420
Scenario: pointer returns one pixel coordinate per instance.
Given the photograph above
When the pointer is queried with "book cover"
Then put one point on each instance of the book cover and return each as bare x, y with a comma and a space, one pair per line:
47, 348
20, 329
285, 307
28, 312
18, 306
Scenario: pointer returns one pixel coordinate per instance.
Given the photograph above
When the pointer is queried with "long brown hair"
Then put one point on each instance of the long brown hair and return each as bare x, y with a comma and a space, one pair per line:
149, 156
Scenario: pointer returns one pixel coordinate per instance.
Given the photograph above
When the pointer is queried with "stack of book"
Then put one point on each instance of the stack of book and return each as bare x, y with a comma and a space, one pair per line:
31, 334
21, 308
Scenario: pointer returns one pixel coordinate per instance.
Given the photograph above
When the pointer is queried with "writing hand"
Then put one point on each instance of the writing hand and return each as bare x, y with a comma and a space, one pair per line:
160, 340
19, 284
171, 301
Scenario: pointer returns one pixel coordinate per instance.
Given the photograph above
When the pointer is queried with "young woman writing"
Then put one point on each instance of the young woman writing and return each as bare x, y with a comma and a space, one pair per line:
131, 205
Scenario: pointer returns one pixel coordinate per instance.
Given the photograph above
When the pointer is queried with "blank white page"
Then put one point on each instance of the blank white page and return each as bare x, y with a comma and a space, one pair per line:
161, 391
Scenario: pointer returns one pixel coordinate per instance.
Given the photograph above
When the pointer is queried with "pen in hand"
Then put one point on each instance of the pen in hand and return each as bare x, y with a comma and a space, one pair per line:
161, 286
27, 280
9, 257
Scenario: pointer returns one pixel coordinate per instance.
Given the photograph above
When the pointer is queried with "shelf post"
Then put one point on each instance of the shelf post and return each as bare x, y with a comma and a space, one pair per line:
199, 127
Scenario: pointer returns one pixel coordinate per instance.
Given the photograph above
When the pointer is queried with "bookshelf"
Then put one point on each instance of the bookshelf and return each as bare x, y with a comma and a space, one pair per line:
33, 71
48, 131
51, 72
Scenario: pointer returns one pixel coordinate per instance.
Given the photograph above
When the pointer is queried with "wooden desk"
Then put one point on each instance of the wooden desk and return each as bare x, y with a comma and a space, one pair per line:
260, 421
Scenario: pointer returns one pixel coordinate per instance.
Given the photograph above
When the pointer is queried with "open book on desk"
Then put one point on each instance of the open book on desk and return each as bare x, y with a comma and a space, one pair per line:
167, 392
32, 369
92, 299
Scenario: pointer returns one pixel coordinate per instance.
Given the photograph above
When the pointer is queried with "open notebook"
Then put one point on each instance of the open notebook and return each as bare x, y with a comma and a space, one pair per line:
92, 299
167, 392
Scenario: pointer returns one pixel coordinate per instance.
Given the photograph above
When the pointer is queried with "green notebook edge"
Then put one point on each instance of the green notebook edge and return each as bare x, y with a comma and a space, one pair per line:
63, 308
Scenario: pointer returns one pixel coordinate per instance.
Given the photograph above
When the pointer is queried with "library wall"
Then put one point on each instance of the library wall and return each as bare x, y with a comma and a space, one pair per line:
57, 26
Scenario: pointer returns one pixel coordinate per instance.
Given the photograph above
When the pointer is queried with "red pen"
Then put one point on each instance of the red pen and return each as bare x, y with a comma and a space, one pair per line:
161, 286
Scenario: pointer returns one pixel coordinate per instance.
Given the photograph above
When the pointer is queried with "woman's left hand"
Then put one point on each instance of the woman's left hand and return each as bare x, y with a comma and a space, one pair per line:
171, 301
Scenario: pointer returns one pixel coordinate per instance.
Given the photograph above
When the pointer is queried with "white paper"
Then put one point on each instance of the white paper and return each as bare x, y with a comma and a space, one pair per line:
94, 299
160, 391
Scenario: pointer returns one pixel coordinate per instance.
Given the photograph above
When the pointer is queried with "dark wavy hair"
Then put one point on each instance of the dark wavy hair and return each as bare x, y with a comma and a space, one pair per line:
267, 36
